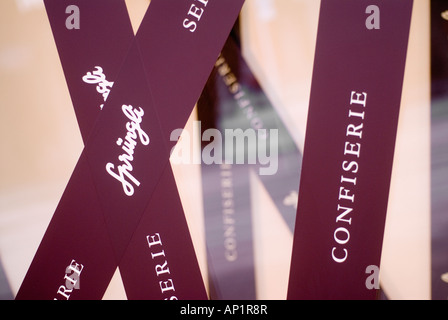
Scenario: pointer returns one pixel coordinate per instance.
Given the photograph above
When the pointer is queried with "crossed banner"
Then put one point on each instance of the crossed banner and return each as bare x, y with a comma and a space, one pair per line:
121, 206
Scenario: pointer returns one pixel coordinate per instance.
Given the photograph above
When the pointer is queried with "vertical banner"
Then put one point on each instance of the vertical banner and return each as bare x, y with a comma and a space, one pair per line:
113, 211
250, 109
226, 198
349, 147
233, 100
439, 147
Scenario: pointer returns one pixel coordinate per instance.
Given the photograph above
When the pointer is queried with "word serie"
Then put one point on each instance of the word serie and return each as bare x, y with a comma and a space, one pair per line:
72, 276
166, 283
194, 15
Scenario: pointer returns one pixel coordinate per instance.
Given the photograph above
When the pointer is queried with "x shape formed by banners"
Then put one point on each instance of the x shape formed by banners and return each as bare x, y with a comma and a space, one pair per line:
121, 206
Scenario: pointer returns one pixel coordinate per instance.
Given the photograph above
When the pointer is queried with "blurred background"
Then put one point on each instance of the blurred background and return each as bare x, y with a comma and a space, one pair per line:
40, 144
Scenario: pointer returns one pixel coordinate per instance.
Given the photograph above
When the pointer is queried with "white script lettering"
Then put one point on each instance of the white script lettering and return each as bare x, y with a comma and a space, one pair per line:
128, 145
98, 77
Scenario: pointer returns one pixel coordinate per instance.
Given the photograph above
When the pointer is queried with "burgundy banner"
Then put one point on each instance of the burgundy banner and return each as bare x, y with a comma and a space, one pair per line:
251, 107
349, 147
92, 54
107, 202
233, 99
138, 282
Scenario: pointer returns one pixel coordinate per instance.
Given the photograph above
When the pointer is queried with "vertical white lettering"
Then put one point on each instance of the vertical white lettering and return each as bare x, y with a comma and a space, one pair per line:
154, 240
337, 233
204, 2
352, 148
339, 260
196, 12
343, 214
162, 269
356, 114
344, 194
353, 130
349, 180
63, 292
357, 99
167, 285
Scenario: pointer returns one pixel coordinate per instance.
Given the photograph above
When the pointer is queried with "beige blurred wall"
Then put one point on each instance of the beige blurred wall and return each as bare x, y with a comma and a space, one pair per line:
39, 138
